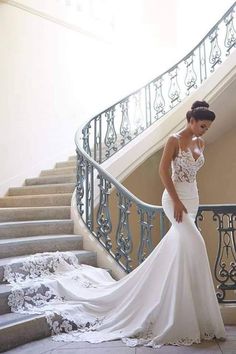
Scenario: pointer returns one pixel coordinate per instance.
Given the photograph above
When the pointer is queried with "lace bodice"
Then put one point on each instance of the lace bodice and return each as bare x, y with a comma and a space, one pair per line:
184, 166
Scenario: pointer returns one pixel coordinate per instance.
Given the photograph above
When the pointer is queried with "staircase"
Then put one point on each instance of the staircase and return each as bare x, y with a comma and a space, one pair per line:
36, 218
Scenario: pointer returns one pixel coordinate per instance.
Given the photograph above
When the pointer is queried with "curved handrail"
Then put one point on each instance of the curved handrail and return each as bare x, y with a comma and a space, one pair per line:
154, 94
229, 11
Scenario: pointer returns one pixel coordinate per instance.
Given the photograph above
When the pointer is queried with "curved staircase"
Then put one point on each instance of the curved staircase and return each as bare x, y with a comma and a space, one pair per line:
37, 217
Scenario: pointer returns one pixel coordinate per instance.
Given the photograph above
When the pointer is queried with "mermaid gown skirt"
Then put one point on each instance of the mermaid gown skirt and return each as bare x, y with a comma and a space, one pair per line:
168, 299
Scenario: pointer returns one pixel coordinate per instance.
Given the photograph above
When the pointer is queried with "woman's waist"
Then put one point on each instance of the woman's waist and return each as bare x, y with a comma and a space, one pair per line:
184, 189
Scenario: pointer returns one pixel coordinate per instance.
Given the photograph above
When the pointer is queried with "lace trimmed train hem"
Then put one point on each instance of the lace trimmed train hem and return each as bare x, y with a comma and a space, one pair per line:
133, 342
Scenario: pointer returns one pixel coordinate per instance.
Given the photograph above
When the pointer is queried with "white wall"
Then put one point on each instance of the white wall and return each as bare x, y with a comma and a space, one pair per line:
53, 78
50, 82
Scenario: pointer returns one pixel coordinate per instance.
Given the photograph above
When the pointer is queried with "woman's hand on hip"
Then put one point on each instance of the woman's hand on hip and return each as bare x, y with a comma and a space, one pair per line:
179, 208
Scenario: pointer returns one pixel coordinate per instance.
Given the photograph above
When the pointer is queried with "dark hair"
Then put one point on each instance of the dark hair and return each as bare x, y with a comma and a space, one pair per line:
200, 111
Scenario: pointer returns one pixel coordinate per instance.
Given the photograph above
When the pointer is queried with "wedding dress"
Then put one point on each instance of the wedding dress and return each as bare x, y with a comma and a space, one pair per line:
168, 299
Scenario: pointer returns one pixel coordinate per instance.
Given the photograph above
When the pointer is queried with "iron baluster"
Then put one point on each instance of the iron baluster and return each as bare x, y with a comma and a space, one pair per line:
111, 136
123, 235
125, 127
159, 102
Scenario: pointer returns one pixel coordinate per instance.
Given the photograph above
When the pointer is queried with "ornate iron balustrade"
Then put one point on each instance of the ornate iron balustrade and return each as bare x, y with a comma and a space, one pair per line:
130, 117
225, 261
115, 232
122, 122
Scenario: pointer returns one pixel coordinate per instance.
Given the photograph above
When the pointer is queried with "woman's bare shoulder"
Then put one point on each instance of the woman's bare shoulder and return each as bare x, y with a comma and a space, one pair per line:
172, 142
173, 138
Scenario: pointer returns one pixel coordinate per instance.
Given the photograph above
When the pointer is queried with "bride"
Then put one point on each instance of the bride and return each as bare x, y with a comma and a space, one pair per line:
168, 299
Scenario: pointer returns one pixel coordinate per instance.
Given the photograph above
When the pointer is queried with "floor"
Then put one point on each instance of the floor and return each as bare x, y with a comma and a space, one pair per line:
118, 347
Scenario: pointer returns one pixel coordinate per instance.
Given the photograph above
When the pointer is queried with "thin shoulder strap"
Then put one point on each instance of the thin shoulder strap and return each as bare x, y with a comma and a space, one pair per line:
177, 136
200, 148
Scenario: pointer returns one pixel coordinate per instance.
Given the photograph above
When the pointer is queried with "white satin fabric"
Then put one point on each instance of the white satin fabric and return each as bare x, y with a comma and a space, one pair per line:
168, 299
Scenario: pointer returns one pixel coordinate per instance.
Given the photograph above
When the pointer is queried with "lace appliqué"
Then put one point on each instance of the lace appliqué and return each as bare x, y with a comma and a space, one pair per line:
61, 323
36, 289
32, 292
39, 265
184, 166
146, 339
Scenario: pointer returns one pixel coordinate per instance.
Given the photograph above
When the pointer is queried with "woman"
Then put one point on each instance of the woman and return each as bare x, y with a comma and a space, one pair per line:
168, 299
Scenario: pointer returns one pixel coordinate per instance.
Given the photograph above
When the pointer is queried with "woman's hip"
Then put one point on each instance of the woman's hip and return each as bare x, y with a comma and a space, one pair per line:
191, 205
185, 190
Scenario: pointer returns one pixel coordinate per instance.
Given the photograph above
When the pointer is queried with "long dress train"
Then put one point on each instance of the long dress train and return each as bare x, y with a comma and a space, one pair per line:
168, 299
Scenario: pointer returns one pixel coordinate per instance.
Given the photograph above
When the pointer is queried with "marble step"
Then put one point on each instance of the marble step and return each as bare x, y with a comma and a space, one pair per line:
62, 171
36, 227
36, 200
36, 244
83, 256
17, 329
72, 158
50, 179
5, 290
42, 189
71, 164
34, 213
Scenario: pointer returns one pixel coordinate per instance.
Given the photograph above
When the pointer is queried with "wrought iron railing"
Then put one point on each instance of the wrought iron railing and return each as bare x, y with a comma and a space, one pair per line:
99, 139
225, 247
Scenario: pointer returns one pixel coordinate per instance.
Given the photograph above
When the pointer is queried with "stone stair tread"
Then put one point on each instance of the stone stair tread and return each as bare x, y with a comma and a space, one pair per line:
33, 188
69, 168
65, 164
37, 207
51, 199
34, 222
45, 185
9, 319
52, 177
35, 196
5, 288
37, 238
18, 259
27, 228
43, 180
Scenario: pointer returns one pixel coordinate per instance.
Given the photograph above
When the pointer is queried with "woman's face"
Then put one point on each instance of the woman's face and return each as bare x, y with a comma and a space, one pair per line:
199, 127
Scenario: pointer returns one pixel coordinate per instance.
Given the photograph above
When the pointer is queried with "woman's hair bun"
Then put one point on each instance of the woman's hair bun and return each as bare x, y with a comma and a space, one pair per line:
197, 104
200, 111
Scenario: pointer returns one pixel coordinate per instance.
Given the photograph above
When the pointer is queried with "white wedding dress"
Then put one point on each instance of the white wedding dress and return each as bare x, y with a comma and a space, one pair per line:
168, 299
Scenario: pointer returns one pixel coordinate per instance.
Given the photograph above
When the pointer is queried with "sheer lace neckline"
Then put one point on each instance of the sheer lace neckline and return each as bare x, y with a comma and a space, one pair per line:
191, 154
188, 151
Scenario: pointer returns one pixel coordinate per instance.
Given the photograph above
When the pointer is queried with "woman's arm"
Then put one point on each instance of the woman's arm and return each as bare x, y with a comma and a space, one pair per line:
168, 154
